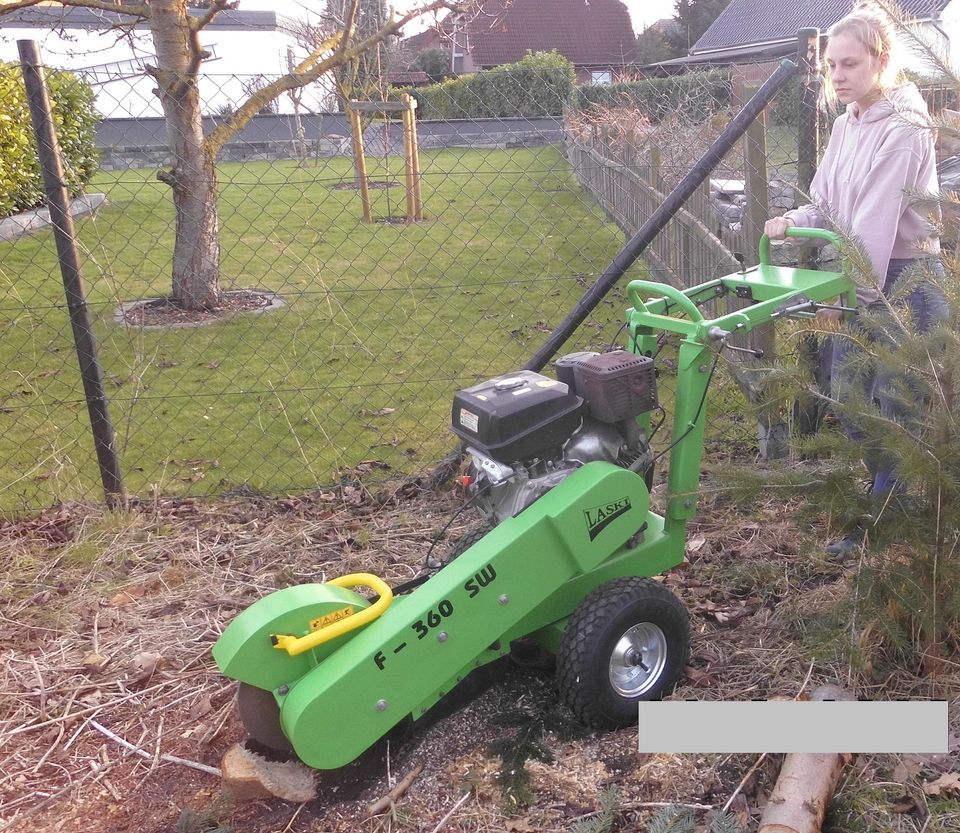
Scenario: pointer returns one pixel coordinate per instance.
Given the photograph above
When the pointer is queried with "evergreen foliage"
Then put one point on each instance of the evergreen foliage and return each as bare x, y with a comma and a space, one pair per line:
673, 819
693, 19
694, 95
653, 47
602, 821
75, 119
435, 63
677, 819
537, 85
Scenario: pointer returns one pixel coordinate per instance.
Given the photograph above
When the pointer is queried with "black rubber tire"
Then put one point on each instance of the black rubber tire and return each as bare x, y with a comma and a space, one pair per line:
460, 545
621, 607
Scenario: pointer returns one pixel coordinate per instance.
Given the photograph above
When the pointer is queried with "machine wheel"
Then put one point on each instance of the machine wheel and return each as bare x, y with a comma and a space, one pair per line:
460, 545
629, 640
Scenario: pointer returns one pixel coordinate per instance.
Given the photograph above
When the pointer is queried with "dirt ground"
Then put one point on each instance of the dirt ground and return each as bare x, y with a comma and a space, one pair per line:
108, 620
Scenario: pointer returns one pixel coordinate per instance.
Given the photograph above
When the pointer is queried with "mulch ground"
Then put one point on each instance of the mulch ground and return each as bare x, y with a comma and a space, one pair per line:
108, 620
164, 312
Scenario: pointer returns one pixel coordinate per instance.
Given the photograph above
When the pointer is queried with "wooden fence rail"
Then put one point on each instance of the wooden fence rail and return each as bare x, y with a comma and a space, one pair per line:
687, 251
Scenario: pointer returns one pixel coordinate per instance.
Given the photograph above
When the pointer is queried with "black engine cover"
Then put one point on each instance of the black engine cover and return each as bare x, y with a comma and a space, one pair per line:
516, 416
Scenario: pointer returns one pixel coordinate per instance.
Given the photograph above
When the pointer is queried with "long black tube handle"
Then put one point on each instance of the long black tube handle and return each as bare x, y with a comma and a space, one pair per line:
663, 214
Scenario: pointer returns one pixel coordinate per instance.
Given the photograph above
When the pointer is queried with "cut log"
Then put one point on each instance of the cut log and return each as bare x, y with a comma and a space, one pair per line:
806, 784
247, 776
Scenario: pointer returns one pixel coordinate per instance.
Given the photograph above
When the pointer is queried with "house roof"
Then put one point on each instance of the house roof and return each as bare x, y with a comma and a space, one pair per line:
763, 21
587, 32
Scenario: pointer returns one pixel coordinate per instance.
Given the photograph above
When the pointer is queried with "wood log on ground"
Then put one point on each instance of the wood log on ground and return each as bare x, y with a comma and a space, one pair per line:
806, 784
247, 776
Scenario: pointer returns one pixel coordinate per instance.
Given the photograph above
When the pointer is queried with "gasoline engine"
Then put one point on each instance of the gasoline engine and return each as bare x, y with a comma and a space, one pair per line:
525, 432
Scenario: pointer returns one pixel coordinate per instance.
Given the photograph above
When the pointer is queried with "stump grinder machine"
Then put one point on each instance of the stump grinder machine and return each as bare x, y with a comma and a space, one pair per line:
560, 469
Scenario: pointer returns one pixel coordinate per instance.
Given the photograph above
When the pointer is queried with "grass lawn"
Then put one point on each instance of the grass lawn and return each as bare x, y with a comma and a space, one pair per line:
383, 322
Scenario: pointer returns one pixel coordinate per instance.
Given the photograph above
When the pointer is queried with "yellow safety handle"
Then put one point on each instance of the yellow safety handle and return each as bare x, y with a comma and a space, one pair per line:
295, 645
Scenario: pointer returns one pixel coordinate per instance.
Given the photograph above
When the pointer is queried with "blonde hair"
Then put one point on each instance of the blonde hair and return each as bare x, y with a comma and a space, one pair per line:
872, 27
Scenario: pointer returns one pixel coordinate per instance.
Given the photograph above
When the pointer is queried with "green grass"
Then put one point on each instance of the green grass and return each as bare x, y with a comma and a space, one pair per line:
378, 317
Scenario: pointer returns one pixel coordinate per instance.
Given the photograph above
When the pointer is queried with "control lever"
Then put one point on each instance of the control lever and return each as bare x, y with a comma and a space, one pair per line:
720, 336
808, 308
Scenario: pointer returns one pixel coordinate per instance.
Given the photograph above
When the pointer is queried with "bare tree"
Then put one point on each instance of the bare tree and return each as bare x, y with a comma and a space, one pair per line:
193, 176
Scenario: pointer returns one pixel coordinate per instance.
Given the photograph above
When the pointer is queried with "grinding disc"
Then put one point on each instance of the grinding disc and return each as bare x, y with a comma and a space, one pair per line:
260, 714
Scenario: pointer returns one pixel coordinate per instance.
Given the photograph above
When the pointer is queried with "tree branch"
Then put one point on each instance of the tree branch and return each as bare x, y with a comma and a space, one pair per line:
349, 23
217, 6
311, 69
141, 11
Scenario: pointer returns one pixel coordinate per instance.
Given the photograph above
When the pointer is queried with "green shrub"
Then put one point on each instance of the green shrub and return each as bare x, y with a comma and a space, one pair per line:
538, 85
72, 101
694, 95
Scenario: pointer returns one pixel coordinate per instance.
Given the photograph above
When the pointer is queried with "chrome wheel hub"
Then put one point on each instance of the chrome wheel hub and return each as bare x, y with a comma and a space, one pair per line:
638, 660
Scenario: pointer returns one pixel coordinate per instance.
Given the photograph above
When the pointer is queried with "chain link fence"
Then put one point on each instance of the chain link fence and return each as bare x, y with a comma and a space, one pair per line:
339, 342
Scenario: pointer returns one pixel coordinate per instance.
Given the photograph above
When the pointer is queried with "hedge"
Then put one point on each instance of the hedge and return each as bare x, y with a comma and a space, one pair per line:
538, 85
695, 95
72, 101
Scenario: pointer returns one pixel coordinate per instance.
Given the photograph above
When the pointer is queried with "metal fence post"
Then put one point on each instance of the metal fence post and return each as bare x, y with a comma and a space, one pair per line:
813, 353
808, 127
58, 203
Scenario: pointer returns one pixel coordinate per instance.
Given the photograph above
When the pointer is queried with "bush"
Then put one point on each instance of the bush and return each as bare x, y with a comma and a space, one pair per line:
538, 85
694, 95
72, 101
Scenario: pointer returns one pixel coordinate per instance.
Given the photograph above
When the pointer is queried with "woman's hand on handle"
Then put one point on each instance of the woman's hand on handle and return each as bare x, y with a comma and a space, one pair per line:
776, 227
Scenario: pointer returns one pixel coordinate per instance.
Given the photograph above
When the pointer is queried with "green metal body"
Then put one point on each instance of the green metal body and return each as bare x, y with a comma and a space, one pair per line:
527, 575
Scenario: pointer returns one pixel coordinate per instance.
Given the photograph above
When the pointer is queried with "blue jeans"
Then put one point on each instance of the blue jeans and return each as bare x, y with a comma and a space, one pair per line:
928, 307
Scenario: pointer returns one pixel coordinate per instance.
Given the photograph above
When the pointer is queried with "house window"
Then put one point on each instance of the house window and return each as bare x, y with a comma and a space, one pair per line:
601, 76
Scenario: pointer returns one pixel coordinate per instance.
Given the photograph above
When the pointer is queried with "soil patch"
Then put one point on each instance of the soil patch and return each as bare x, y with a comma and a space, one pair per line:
165, 313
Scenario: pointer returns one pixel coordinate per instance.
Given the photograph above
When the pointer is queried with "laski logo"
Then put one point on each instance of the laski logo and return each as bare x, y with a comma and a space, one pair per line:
600, 517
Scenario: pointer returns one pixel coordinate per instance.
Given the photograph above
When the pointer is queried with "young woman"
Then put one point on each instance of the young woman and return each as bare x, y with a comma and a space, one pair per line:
881, 150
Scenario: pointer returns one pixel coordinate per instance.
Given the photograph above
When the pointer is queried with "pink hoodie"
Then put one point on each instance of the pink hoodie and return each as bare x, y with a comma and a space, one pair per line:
872, 159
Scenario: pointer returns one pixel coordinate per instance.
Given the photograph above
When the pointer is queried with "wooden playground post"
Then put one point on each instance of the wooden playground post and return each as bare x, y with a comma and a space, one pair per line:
411, 103
408, 159
361, 162
411, 156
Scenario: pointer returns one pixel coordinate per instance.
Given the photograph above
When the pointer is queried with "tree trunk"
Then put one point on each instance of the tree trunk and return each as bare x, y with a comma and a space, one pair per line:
196, 254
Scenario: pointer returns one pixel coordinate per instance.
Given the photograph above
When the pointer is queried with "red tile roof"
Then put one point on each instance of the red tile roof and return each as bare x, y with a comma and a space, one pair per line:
587, 32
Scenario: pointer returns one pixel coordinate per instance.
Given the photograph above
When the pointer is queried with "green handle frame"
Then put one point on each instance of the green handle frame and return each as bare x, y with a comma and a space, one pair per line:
795, 231
667, 292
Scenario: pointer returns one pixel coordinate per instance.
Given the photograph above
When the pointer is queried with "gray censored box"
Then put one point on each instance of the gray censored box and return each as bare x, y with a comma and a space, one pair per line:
793, 726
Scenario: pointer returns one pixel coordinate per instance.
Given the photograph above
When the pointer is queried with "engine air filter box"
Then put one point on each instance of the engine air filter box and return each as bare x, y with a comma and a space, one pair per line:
617, 385
566, 364
516, 416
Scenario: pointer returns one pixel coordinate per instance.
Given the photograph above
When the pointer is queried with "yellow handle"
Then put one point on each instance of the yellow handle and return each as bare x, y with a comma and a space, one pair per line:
294, 645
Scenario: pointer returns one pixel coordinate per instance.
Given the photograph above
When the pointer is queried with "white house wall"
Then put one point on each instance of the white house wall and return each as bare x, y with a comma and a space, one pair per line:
241, 56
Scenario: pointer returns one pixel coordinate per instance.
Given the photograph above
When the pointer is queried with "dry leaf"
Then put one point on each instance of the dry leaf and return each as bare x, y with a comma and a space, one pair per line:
145, 665
696, 544
128, 596
94, 662
519, 826
946, 784
701, 679
203, 706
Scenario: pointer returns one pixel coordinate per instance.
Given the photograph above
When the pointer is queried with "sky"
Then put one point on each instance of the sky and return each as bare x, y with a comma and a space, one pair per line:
642, 12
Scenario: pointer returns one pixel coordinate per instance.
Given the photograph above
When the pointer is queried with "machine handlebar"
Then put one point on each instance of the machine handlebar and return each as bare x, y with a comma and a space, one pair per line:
794, 231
